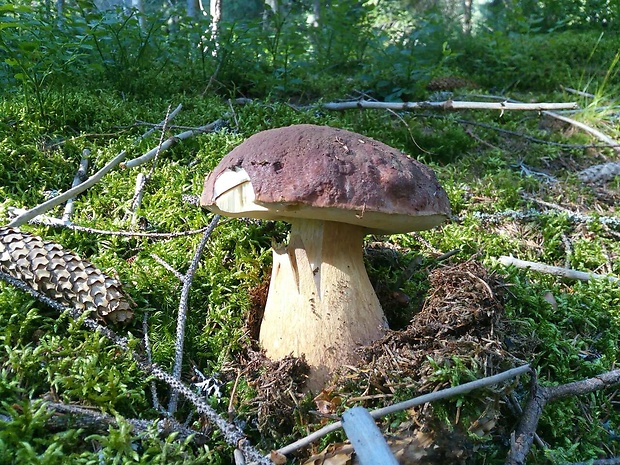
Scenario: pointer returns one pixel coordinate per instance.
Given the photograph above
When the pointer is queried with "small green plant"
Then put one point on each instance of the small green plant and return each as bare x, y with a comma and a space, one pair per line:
39, 51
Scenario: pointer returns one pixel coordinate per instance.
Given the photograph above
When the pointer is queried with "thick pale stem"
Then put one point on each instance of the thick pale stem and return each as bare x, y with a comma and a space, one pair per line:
321, 303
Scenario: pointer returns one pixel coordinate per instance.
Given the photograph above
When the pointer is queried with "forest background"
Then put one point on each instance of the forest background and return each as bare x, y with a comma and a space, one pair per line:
80, 76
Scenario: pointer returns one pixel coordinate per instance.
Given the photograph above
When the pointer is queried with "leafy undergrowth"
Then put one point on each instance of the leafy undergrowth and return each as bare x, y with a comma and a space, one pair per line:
455, 320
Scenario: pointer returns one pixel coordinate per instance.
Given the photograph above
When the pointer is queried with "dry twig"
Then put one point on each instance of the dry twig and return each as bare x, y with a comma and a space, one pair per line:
77, 180
50, 221
447, 105
554, 270
426, 398
172, 141
539, 398
89, 419
182, 315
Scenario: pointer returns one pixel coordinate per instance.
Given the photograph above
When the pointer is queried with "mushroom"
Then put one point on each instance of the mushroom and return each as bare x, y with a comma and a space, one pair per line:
334, 187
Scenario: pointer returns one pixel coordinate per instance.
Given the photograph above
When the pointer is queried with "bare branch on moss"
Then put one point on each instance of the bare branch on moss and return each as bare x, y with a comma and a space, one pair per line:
182, 315
527, 215
55, 222
138, 194
570, 90
553, 270
142, 179
54, 201
528, 137
424, 399
539, 398
168, 267
447, 105
211, 127
80, 175
149, 359
93, 420
590, 130
231, 433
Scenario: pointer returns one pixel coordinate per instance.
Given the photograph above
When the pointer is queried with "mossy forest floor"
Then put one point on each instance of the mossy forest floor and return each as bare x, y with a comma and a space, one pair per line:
512, 181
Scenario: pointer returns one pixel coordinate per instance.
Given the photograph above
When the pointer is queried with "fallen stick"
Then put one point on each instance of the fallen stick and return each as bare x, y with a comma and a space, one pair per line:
369, 444
447, 105
426, 398
96, 421
609, 142
80, 175
51, 221
554, 270
581, 93
51, 203
614, 144
170, 142
146, 342
540, 397
182, 315
142, 179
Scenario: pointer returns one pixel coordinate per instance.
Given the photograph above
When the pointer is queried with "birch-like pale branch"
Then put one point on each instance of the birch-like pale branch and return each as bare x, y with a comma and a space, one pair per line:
447, 105
614, 144
172, 141
554, 270
54, 201
426, 398
609, 141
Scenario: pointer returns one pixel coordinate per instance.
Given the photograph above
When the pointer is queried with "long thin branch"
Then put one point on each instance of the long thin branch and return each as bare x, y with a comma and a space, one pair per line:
51, 203
92, 419
142, 179
149, 359
426, 398
595, 132
231, 433
172, 141
609, 141
182, 315
447, 105
539, 398
554, 270
50, 221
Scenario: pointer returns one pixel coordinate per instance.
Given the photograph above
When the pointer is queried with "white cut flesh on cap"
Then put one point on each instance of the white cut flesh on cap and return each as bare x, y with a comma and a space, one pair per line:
334, 186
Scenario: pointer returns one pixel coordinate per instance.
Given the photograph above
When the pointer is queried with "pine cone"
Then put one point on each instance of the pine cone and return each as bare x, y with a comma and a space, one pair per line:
61, 275
600, 173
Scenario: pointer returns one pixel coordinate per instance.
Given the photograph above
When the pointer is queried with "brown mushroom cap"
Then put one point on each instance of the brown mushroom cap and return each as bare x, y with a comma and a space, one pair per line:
319, 172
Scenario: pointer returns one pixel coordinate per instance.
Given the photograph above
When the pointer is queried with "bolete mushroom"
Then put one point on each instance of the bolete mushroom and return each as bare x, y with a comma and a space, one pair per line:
333, 186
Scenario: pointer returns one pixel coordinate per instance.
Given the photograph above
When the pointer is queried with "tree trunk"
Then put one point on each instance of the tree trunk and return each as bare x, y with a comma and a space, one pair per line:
138, 5
192, 8
271, 8
215, 10
467, 15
